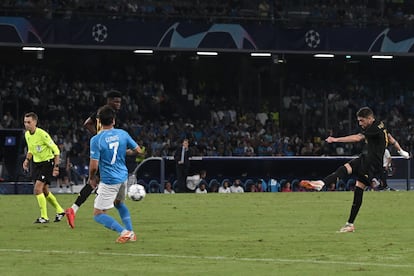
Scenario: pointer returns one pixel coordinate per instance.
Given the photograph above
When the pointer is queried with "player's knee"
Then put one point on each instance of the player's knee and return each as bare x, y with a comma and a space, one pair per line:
341, 172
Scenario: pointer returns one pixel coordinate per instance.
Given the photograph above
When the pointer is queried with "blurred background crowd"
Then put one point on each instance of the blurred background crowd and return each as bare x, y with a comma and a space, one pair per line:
285, 12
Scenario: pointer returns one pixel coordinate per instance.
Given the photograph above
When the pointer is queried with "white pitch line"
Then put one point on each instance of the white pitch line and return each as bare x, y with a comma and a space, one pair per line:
223, 258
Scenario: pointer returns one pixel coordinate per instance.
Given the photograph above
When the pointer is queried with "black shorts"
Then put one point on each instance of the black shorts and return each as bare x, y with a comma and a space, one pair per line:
364, 171
43, 171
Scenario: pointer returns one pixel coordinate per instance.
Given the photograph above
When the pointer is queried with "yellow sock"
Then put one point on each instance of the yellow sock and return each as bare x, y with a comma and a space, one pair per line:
52, 200
42, 205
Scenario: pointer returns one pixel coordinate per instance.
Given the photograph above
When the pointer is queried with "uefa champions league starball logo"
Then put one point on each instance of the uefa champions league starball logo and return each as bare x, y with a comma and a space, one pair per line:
312, 39
99, 33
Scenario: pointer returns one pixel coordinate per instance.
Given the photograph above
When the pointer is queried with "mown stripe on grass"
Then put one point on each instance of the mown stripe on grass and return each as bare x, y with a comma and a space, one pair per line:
222, 258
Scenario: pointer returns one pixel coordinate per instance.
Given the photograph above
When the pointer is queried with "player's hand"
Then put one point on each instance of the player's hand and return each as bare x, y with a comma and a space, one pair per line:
330, 139
93, 182
404, 154
55, 171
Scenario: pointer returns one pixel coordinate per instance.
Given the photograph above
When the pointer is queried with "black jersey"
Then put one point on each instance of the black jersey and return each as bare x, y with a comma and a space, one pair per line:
376, 140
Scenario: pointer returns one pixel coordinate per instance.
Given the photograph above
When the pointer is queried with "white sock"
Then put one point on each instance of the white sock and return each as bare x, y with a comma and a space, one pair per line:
75, 208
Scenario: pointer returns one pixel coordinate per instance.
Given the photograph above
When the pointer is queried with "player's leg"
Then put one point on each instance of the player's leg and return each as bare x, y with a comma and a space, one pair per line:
84, 193
340, 173
356, 204
104, 201
122, 208
60, 213
41, 200
358, 168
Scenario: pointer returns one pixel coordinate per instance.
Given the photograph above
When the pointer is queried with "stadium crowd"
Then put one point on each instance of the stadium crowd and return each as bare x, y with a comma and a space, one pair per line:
284, 12
216, 126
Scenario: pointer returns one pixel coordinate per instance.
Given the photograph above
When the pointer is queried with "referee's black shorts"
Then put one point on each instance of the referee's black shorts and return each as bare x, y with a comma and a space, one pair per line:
43, 171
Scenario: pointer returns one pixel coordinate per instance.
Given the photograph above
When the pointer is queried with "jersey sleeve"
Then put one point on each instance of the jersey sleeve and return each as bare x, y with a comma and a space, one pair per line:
50, 143
29, 147
94, 148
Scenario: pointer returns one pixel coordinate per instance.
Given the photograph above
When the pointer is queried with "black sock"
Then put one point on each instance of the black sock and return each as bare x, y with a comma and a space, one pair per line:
358, 193
84, 194
340, 173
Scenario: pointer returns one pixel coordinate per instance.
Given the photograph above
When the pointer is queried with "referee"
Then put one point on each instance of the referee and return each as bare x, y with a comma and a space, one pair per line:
45, 156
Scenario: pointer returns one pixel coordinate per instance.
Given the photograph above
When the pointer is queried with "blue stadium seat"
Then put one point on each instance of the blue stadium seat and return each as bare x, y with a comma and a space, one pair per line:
350, 184
212, 183
282, 182
174, 185
154, 186
295, 184
247, 184
340, 185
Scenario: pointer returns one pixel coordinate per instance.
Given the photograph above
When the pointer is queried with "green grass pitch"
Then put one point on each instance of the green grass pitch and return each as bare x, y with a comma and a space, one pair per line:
216, 234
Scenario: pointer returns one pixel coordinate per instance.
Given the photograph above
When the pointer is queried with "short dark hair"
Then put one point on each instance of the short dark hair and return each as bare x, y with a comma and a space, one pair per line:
113, 94
365, 112
32, 115
106, 114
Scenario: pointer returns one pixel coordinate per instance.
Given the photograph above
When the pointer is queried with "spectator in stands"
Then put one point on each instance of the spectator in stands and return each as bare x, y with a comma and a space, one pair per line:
202, 188
168, 188
286, 187
225, 188
259, 185
236, 187
193, 181
251, 187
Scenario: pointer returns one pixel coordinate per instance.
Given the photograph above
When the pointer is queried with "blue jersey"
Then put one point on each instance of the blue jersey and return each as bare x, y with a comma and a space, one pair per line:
109, 148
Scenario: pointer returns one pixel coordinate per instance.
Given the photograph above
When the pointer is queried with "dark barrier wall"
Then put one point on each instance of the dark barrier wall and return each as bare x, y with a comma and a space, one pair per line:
11, 148
261, 167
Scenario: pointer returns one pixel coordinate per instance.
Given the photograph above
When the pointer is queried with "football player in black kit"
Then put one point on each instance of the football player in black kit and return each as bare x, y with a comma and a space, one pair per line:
113, 99
368, 165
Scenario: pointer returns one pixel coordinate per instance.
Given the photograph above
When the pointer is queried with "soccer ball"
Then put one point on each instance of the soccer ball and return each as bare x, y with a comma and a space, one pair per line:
99, 32
136, 192
312, 39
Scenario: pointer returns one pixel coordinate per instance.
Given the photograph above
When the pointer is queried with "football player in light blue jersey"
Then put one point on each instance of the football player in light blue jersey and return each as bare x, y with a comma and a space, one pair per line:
107, 152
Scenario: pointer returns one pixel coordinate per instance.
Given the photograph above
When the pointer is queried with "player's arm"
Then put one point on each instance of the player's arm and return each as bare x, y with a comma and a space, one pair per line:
137, 150
93, 169
89, 124
397, 146
346, 139
26, 161
56, 152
